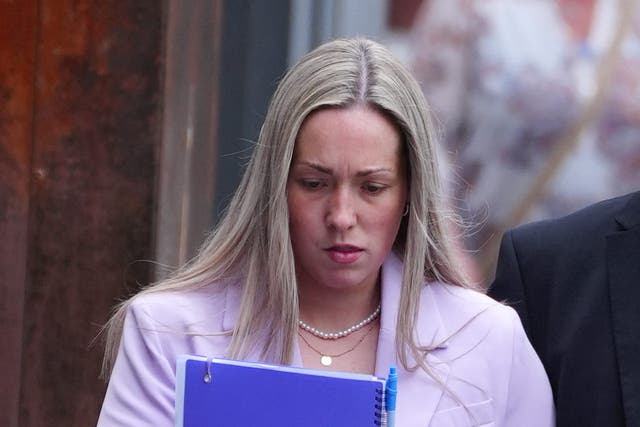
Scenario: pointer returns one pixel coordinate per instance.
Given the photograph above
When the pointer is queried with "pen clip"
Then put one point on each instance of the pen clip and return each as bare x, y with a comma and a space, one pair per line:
207, 375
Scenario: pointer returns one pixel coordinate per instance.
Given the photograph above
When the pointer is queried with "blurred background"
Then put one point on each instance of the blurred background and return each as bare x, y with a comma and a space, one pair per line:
125, 125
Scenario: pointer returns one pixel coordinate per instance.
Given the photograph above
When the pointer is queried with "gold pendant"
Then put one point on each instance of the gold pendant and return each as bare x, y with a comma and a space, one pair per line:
326, 360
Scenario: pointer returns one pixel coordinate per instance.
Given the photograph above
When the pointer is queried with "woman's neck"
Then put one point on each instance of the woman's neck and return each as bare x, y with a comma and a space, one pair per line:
331, 310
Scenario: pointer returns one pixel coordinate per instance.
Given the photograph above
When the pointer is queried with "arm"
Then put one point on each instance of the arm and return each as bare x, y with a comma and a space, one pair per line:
141, 387
508, 284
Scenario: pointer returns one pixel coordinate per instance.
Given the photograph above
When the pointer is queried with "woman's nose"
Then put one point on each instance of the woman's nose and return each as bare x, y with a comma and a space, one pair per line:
341, 214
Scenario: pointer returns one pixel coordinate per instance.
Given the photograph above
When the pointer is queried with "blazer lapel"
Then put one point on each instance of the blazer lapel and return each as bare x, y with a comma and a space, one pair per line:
231, 313
232, 307
623, 263
418, 393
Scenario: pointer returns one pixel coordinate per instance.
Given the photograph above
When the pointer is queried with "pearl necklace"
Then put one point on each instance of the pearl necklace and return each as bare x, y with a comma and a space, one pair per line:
344, 332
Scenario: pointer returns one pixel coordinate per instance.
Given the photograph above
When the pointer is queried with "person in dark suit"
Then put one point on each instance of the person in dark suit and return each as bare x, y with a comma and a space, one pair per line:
575, 282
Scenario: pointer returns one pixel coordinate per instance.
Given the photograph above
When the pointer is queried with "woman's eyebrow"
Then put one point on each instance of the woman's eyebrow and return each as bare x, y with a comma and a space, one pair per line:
329, 171
372, 170
315, 166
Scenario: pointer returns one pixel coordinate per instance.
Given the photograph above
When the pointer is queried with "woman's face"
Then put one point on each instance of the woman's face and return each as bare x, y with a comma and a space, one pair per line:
346, 193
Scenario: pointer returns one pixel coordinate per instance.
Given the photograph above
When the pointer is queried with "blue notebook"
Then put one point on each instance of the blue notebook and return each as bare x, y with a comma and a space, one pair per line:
229, 393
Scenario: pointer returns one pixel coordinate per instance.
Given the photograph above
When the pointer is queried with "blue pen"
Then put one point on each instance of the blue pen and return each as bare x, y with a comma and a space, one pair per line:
390, 393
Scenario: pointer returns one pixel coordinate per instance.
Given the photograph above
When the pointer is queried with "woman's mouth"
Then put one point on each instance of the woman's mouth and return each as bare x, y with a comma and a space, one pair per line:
344, 254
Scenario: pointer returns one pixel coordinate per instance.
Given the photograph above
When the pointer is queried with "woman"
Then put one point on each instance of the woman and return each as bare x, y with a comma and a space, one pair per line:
333, 255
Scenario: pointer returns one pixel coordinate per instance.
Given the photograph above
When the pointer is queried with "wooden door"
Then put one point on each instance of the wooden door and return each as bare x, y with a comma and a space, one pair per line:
80, 102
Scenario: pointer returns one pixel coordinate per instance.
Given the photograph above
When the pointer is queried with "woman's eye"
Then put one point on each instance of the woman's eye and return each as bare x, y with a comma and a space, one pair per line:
311, 184
373, 188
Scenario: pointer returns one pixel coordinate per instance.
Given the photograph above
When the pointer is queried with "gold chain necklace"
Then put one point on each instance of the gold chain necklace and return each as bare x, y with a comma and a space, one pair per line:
327, 359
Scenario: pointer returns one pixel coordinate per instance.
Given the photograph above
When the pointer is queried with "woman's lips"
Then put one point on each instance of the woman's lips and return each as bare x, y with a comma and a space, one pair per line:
344, 254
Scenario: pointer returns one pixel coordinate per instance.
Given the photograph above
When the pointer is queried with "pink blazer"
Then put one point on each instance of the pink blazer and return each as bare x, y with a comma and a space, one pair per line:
490, 372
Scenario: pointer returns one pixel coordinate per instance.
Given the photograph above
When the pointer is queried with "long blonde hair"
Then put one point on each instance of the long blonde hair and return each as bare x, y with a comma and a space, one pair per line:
252, 246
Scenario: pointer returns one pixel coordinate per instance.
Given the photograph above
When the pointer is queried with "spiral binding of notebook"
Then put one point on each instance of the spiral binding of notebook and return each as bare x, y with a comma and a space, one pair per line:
233, 393
380, 418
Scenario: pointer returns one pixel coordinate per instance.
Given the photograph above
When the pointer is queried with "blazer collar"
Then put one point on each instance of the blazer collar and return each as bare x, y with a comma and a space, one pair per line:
232, 306
418, 393
230, 317
629, 216
430, 326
